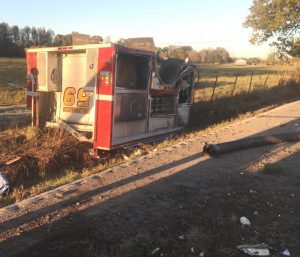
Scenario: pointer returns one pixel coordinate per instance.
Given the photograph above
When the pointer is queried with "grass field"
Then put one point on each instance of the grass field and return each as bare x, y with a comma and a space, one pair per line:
228, 74
281, 86
12, 81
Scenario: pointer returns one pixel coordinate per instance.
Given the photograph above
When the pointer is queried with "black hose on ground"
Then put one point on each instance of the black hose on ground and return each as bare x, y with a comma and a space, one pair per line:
218, 149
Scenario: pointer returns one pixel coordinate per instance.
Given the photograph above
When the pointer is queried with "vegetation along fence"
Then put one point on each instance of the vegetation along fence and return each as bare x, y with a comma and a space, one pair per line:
219, 84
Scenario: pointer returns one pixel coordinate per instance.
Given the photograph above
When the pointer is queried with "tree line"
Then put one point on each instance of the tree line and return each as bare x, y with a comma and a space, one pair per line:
14, 40
208, 55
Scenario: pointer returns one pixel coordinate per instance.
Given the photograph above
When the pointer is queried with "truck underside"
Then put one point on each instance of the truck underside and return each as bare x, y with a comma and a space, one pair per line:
111, 95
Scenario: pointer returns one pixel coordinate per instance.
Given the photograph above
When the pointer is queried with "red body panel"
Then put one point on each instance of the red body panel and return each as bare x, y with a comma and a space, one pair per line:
32, 102
104, 108
31, 61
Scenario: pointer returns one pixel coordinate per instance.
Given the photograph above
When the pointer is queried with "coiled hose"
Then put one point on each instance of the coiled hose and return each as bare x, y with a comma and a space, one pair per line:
218, 149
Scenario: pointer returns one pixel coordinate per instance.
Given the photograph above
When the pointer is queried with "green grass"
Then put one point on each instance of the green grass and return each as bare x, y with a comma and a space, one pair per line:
22, 192
273, 169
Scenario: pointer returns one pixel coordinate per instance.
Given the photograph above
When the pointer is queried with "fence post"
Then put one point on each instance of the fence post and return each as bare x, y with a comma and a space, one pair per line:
213, 94
250, 84
232, 91
266, 80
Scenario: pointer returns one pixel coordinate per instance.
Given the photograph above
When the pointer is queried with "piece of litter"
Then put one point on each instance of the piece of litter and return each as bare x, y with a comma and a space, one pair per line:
296, 124
155, 250
242, 173
245, 221
201, 254
286, 252
181, 237
154, 150
138, 152
4, 186
11, 161
59, 195
255, 250
126, 158
192, 250
252, 191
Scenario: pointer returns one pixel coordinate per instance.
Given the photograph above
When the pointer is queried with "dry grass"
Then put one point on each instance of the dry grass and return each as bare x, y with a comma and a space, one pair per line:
44, 152
263, 77
270, 86
12, 71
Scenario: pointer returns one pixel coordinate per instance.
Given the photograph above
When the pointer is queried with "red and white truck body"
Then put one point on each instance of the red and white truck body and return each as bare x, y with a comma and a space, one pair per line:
102, 93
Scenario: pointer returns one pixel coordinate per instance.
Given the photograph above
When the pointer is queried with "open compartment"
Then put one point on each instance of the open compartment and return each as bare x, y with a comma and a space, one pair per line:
131, 95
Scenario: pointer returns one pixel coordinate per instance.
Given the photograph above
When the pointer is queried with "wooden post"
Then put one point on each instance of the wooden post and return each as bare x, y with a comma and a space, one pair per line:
250, 84
266, 80
232, 91
213, 94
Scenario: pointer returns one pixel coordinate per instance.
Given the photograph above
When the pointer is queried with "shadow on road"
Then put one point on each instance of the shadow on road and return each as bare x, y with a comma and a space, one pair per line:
201, 200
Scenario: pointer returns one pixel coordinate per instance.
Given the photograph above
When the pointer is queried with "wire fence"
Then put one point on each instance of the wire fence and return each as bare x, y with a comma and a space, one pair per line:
209, 87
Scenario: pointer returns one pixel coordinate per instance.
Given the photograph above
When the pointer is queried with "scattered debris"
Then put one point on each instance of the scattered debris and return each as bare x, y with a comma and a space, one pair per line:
126, 158
245, 221
138, 152
251, 191
155, 250
44, 154
201, 254
286, 252
4, 185
59, 195
13, 160
192, 250
181, 237
255, 250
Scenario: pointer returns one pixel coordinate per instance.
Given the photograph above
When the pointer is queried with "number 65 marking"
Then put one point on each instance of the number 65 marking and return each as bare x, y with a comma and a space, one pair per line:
69, 98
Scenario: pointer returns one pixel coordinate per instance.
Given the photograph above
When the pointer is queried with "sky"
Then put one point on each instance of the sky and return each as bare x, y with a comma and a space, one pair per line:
198, 23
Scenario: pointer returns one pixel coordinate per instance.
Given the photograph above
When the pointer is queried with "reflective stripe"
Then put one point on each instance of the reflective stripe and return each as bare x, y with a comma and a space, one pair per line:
30, 93
106, 97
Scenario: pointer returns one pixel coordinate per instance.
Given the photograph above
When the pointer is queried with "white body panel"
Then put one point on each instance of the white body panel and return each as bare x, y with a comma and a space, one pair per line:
157, 123
184, 113
75, 105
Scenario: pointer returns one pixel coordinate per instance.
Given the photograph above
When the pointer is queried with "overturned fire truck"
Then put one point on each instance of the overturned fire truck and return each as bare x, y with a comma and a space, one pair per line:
108, 94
